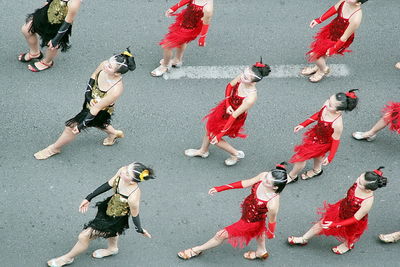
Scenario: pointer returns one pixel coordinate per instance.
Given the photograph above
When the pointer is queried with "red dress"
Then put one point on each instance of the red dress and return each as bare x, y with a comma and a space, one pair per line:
391, 115
218, 117
329, 35
342, 210
186, 28
316, 141
252, 222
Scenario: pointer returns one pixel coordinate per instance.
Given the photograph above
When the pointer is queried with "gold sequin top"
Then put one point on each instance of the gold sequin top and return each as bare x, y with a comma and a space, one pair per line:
57, 12
118, 204
97, 95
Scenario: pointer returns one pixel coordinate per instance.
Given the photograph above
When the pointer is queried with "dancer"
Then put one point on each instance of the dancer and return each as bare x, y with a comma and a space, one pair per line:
104, 88
334, 38
53, 23
113, 213
229, 116
390, 117
191, 22
261, 203
323, 137
347, 219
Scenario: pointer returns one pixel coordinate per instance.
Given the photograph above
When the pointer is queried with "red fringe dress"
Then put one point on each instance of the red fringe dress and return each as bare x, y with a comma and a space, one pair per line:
186, 28
253, 220
316, 141
342, 210
329, 35
217, 117
391, 115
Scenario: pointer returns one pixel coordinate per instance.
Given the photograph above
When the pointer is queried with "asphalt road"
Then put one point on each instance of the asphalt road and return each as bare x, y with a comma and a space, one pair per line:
39, 216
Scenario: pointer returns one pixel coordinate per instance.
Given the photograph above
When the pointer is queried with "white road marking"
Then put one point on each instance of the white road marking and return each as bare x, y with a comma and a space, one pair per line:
228, 72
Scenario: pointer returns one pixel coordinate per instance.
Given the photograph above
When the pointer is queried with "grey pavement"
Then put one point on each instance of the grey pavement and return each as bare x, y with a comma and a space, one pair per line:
39, 216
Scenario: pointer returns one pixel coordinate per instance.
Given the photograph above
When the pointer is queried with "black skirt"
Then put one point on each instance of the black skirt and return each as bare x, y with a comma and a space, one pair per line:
106, 226
102, 119
46, 30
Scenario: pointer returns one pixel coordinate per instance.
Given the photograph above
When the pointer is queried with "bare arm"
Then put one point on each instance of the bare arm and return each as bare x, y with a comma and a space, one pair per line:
208, 12
73, 8
338, 4
355, 22
273, 208
235, 81
337, 129
110, 98
366, 206
250, 182
248, 102
134, 203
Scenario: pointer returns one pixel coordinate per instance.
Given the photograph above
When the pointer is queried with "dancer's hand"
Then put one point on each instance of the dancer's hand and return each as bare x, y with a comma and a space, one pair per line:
328, 52
84, 206
325, 162
214, 140
229, 110
298, 128
51, 47
168, 13
146, 234
75, 130
93, 102
326, 224
212, 191
313, 23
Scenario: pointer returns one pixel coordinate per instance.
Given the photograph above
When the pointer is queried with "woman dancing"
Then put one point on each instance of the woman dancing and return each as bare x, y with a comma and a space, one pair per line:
323, 137
103, 90
347, 219
334, 38
390, 117
229, 116
191, 22
53, 23
113, 213
263, 202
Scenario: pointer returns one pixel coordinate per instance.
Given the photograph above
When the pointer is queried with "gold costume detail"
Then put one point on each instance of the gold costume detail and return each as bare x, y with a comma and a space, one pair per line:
144, 174
118, 205
97, 95
126, 53
57, 12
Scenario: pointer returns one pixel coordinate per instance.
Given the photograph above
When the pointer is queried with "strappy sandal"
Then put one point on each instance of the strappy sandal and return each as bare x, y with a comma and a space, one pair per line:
33, 68
293, 243
251, 255
109, 141
305, 176
292, 180
52, 263
390, 238
232, 160
21, 57
338, 252
45, 153
186, 256
194, 153
97, 253
361, 136
309, 70
174, 64
318, 76
160, 71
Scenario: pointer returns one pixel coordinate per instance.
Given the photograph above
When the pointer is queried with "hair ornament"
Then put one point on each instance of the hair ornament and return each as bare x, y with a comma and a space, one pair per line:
143, 174
378, 171
259, 64
127, 53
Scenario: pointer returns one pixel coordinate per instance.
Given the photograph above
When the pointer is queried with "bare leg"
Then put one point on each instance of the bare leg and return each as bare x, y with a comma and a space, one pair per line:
31, 39
376, 128
318, 164
217, 240
66, 137
227, 147
179, 53
48, 59
314, 230
297, 168
261, 249
321, 63
80, 247
167, 57
110, 250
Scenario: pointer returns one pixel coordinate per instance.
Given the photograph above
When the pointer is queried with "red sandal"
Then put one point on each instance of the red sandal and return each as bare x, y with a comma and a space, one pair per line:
33, 68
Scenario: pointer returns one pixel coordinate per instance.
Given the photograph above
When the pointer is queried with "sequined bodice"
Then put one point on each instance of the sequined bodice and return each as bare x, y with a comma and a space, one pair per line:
322, 132
351, 204
254, 209
57, 12
339, 25
192, 16
118, 204
97, 95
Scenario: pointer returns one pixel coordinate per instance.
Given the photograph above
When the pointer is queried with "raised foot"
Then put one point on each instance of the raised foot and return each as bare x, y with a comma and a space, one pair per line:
188, 254
110, 140
46, 153
363, 136
297, 241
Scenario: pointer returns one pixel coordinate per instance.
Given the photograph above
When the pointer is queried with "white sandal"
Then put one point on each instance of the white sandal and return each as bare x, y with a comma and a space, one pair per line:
175, 64
52, 263
390, 238
232, 160
194, 153
360, 136
97, 255
160, 71
309, 70
397, 66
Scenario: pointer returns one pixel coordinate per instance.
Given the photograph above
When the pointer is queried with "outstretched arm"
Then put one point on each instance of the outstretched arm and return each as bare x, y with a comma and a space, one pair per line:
237, 185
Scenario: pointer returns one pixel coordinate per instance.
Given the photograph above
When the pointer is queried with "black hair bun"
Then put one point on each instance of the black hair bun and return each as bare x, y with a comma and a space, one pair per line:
130, 60
264, 71
382, 181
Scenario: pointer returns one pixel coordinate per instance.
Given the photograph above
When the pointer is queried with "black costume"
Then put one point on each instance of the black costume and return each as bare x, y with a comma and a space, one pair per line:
47, 21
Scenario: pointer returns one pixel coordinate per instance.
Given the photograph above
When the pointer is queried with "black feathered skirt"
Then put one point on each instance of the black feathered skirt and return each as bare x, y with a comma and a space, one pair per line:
102, 119
46, 30
106, 226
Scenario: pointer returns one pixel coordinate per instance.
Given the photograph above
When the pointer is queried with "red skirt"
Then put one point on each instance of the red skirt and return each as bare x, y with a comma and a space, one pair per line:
323, 41
349, 234
179, 35
310, 148
241, 232
217, 119
391, 115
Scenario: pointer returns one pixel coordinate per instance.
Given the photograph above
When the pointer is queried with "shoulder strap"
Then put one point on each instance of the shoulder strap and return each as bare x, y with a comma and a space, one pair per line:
137, 187
336, 118
272, 197
368, 197
354, 12
116, 183
340, 11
